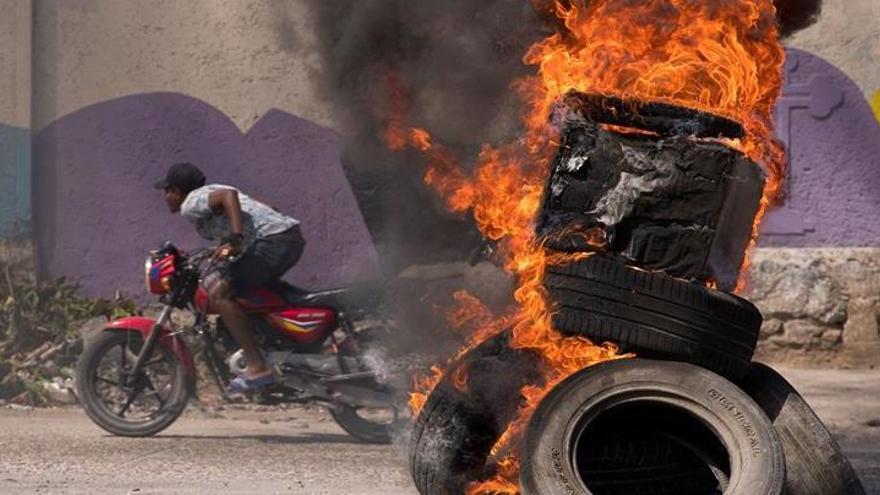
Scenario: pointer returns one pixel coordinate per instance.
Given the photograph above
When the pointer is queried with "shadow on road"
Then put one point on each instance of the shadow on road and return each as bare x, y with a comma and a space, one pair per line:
301, 439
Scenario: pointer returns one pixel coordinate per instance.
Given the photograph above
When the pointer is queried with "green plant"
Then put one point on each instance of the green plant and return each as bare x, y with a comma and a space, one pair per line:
39, 318
34, 311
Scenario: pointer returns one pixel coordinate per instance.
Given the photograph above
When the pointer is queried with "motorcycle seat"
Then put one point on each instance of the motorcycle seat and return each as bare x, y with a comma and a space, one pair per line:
346, 297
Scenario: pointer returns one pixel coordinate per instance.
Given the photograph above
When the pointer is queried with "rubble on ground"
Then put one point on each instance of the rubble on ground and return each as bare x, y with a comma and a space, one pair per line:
42, 328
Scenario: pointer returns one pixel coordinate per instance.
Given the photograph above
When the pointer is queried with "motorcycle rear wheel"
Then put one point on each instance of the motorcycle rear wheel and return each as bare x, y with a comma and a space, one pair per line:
164, 383
363, 428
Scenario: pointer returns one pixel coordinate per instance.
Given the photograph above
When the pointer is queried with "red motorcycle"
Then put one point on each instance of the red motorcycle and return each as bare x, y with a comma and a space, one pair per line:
136, 376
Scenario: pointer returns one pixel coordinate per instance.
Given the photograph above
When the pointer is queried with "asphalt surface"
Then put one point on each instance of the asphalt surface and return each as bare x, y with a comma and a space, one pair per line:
301, 451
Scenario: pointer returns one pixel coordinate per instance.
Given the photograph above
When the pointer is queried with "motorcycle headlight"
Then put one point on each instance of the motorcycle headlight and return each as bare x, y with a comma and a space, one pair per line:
148, 265
159, 274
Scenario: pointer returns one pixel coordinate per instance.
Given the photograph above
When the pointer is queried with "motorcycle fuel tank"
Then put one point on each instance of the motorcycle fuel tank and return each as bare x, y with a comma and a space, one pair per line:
303, 325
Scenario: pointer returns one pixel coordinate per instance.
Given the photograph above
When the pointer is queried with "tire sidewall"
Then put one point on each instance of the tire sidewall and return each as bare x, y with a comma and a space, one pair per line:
86, 367
756, 457
454, 432
815, 463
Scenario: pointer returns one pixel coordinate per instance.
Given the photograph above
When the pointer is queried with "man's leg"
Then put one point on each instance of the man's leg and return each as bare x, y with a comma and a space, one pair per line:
221, 296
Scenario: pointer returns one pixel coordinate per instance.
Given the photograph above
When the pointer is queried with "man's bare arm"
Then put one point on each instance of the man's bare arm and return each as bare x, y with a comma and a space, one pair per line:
226, 200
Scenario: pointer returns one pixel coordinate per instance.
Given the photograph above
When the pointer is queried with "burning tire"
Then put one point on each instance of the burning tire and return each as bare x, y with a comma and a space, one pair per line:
662, 118
716, 430
458, 426
815, 465
666, 202
654, 315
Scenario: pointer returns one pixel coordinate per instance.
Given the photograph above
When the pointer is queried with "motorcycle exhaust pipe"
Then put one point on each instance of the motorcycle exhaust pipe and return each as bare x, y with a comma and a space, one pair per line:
328, 367
355, 396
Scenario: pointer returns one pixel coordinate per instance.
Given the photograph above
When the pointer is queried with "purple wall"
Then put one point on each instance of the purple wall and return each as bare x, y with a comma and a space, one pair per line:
96, 213
833, 188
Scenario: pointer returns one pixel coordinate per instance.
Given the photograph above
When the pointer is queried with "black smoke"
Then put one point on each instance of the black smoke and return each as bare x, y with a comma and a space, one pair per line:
795, 15
456, 60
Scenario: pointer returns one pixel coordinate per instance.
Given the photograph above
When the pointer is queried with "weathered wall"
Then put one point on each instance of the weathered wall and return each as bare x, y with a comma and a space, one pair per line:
820, 300
820, 305
244, 57
15, 58
832, 187
121, 89
97, 214
224, 84
10, 39
848, 36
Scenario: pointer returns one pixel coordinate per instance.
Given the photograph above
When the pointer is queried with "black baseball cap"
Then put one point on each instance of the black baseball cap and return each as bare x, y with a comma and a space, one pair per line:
184, 176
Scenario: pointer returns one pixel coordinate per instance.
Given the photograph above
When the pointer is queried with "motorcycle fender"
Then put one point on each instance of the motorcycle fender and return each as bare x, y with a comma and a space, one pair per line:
171, 342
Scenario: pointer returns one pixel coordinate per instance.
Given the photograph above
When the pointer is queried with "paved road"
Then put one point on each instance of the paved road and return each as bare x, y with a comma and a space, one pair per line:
300, 451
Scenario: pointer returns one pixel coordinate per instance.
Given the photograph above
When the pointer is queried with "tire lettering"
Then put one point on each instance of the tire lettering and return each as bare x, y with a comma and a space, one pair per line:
560, 473
740, 418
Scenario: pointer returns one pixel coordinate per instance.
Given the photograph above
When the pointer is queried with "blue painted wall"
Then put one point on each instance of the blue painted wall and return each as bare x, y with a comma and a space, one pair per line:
15, 181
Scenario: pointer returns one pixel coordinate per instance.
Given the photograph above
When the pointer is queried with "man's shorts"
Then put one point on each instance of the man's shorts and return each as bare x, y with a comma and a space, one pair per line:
267, 259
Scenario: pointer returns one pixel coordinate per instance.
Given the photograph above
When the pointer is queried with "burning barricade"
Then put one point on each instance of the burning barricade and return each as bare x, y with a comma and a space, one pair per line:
643, 226
626, 217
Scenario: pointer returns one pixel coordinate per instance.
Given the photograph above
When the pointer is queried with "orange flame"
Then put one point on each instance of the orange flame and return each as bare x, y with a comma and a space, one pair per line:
501, 483
470, 314
718, 56
460, 378
422, 387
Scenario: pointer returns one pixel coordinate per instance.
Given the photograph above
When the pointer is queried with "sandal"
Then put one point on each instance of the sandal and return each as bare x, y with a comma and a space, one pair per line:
242, 383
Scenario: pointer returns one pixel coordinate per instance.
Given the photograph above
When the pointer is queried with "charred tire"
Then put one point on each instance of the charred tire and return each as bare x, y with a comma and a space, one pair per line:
456, 429
654, 315
662, 118
814, 462
716, 421
86, 386
451, 440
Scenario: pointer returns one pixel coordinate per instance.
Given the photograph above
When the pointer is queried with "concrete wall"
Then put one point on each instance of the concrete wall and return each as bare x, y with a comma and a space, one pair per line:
820, 300
15, 72
122, 88
15, 66
97, 214
848, 36
832, 187
243, 57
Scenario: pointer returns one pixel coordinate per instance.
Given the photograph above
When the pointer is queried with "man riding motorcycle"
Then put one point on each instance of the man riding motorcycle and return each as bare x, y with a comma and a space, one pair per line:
258, 243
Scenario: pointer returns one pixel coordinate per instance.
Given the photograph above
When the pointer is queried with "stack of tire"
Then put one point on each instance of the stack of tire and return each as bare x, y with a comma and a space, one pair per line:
691, 415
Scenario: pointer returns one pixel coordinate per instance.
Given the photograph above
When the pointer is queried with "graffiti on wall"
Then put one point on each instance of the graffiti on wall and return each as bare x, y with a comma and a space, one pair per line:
15, 181
96, 213
833, 186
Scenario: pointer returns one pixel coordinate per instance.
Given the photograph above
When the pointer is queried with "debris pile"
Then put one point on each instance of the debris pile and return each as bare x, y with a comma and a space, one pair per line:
41, 333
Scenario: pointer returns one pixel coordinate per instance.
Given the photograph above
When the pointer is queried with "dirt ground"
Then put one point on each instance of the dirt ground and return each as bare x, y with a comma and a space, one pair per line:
301, 451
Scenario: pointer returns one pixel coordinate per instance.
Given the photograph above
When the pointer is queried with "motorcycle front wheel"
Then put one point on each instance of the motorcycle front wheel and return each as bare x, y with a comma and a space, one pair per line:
130, 406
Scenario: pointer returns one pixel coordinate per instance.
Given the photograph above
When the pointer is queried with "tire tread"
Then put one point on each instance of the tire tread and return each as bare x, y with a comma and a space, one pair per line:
653, 315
